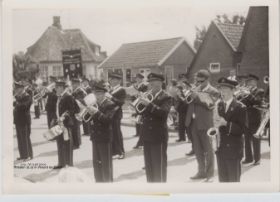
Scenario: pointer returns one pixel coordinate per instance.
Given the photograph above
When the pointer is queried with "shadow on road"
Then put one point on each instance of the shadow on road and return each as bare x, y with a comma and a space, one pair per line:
45, 154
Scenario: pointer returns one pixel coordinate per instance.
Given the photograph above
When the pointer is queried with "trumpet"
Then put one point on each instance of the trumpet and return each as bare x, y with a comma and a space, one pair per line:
188, 93
85, 113
214, 133
138, 104
43, 92
266, 79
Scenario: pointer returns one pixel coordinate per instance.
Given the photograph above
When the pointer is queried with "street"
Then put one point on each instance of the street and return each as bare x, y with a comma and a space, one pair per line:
180, 167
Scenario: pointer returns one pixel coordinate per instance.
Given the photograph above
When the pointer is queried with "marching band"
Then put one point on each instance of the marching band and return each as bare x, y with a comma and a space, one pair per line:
241, 119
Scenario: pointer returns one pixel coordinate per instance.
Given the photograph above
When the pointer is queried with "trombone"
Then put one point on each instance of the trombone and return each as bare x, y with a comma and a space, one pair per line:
43, 92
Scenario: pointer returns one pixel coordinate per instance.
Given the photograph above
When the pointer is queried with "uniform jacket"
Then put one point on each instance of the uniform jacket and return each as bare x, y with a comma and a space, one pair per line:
180, 105
155, 119
253, 114
68, 103
101, 122
119, 99
51, 102
203, 112
231, 144
22, 109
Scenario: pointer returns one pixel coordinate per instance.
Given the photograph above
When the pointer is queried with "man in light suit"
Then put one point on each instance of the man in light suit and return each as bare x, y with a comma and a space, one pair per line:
200, 118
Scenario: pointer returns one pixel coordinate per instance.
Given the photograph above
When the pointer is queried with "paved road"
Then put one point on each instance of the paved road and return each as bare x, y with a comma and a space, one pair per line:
180, 167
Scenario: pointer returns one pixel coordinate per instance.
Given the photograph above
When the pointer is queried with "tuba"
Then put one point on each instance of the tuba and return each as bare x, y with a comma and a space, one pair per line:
138, 104
265, 118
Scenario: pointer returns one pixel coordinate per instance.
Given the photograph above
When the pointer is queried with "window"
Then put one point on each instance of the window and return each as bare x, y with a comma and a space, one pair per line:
145, 72
97, 51
44, 72
57, 71
214, 68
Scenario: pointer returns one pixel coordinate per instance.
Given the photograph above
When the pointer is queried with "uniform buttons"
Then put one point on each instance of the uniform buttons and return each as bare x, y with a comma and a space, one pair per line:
151, 118
227, 145
150, 127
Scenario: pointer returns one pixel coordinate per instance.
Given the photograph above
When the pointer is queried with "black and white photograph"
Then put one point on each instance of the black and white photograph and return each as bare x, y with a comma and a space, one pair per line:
141, 97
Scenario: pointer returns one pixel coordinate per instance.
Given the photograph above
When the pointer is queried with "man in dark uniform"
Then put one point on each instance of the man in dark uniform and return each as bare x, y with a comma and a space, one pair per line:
254, 120
22, 121
102, 134
51, 103
87, 88
230, 150
155, 130
36, 102
76, 131
117, 94
66, 109
141, 87
200, 118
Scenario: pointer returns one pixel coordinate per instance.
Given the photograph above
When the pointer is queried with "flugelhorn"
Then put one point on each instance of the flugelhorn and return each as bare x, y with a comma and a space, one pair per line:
85, 114
138, 104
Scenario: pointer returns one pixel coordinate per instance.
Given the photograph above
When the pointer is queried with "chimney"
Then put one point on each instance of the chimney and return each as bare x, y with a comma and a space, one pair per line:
56, 22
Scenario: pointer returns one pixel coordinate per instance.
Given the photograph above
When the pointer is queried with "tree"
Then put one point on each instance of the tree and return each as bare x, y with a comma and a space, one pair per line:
22, 68
235, 19
200, 35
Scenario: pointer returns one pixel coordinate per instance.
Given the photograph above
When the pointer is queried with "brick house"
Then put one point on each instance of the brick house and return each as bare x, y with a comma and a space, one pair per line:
167, 56
218, 52
46, 52
254, 47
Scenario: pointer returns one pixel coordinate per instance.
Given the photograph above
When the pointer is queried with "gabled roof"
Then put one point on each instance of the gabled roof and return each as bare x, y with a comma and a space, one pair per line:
231, 32
143, 54
50, 45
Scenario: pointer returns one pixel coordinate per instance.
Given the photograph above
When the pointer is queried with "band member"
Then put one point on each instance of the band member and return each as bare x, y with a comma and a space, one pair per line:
230, 150
141, 87
181, 107
102, 134
155, 130
51, 103
36, 102
76, 132
254, 120
22, 121
66, 109
200, 118
87, 88
118, 97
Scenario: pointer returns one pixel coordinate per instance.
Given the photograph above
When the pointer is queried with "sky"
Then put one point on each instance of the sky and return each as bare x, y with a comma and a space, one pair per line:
112, 25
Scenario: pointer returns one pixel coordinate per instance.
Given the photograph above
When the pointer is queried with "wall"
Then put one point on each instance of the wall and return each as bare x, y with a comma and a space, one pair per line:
213, 49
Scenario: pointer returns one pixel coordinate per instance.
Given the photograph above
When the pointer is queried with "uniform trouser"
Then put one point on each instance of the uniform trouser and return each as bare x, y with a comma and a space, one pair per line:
86, 127
155, 157
229, 170
37, 111
181, 126
140, 140
102, 161
50, 116
76, 134
65, 150
249, 141
24, 142
117, 144
203, 151
189, 134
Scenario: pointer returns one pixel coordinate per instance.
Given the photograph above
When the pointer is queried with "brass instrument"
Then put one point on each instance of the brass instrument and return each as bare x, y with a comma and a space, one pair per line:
266, 79
85, 113
265, 118
110, 95
43, 92
188, 93
214, 133
138, 104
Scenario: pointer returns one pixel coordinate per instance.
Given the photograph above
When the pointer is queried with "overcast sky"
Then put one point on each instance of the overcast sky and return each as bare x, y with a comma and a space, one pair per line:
110, 26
